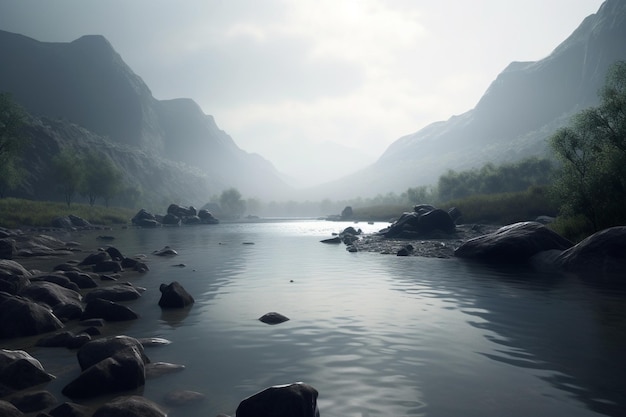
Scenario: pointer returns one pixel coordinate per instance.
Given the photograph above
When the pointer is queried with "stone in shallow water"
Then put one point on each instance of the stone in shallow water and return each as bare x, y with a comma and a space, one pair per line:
182, 397
273, 318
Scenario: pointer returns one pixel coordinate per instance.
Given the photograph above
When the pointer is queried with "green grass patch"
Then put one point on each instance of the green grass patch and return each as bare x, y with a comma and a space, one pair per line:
15, 213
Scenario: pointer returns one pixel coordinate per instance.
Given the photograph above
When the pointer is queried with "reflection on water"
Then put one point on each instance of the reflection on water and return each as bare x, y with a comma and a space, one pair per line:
376, 335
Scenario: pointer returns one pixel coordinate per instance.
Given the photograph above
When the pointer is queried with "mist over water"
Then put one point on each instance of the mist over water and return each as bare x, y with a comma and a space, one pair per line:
376, 335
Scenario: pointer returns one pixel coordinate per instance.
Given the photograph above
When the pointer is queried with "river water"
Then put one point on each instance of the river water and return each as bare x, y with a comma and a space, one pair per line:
376, 335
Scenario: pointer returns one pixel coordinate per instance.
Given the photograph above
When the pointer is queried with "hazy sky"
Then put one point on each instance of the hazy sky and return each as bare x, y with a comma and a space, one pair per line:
282, 76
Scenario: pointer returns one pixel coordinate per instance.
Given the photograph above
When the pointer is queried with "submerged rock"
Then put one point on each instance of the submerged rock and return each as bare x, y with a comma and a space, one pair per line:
292, 400
273, 318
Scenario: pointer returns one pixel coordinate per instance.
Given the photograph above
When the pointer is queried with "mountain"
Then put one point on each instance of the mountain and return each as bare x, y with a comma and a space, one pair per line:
84, 87
526, 103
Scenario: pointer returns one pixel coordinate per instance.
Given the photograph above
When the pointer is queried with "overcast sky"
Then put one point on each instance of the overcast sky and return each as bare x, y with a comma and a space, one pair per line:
281, 76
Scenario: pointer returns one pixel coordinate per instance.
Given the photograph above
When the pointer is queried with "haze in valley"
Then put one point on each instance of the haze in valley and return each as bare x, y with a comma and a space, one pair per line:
319, 88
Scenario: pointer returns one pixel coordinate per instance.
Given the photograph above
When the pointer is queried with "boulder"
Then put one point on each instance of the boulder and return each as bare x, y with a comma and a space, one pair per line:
70, 410
9, 410
20, 316
165, 251
58, 278
108, 310
135, 265
171, 220
95, 258
19, 370
178, 398
332, 240
7, 248
180, 211
174, 296
62, 222
273, 318
207, 217
97, 350
13, 284
144, 219
292, 400
191, 220
10, 267
107, 266
114, 253
81, 279
133, 406
515, 243
119, 292
66, 304
603, 252
79, 221
29, 402
436, 219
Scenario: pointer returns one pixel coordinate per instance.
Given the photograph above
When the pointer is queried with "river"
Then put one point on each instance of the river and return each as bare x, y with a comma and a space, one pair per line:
376, 335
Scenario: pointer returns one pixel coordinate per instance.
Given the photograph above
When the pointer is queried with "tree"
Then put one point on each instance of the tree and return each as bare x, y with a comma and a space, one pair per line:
231, 203
101, 178
11, 176
592, 150
68, 172
11, 120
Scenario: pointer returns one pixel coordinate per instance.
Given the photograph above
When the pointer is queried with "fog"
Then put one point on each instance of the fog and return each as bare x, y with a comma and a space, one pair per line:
319, 88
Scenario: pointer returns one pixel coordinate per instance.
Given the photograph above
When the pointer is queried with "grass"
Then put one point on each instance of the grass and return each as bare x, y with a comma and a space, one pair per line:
15, 213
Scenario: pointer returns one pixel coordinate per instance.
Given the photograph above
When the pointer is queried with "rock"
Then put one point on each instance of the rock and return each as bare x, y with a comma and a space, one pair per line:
436, 219
64, 339
13, 284
62, 222
10, 267
134, 406
64, 267
107, 266
66, 304
7, 248
191, 220
81, 279
19, 370
347, 213
517, 243
79, 221
95, 258
114, 253
97, 350
206, 217
135, 265
273, 318
110, 364
603, 252
182, 397
9, 410
180, 211
174, 296
166, 251
59, 279
29, 402
405, 251
171, 220
118, 292
70, 410
455, 215
144, 219
108, 310
153, 341
293, 400
20, 317
333, 240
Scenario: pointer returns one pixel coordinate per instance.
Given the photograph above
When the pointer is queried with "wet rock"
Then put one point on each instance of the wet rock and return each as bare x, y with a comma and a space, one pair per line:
20, 316
293, 400
57, 278
107, 266
179, 398
7, 248
157, 369
108, 310
66, 304
9, 410
332, 240
165, 251
513, 243
29, 402
68, 409
118, 292
174, 296
603, 252
10, 267
273, 318
95, 258
19, 370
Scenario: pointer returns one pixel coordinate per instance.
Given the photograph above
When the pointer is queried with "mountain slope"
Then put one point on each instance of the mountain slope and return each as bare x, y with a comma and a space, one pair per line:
87, 83
526, 103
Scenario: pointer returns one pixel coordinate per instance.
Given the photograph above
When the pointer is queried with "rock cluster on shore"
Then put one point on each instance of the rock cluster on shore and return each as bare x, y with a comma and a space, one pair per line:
87, 294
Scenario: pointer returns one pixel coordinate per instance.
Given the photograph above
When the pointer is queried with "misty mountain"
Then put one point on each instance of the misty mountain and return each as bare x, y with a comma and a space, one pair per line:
85, 86
526, 103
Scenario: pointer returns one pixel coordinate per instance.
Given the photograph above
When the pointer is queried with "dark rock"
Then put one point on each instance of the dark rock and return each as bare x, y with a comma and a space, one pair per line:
65, 303
334, 240
62, 222
166, 251
134, 406
7, 248
119, 292
405, 251
347, 213
436, 219
206, 217
144, 219
79, 340
107, 266
191, 220
513, 243
153, 341
9, 410
174, 296
10, 267
180, 211
108, 310
95, 258
114, 253
603, 252
56, 340
19, 370
20, 316
29, 402
81, 279
13, 284
92, 331
79, 221
455, 215
97, 350
70, 410
66, 267
60, 279
171, 220
293, 400
273, 318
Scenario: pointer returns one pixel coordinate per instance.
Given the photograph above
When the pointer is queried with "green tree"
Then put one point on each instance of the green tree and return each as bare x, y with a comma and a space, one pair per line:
101, 178
11, 176
12, 118
592, 178
231, 203
68, 171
